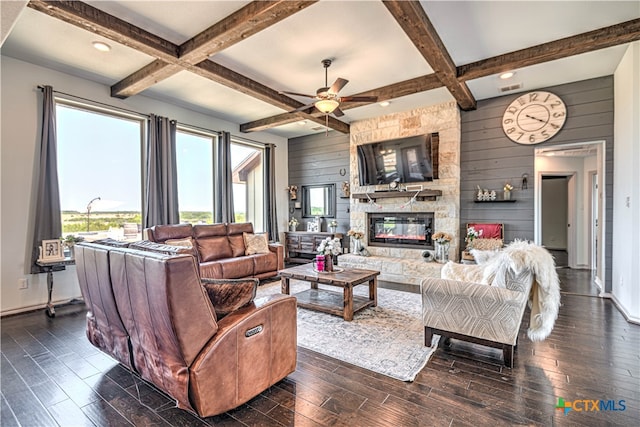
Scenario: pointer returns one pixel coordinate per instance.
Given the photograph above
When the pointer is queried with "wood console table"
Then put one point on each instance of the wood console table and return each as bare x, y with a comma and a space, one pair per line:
302, 246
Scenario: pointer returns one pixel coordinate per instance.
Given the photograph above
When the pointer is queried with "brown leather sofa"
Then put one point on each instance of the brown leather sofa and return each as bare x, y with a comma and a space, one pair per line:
151, 312
220, 249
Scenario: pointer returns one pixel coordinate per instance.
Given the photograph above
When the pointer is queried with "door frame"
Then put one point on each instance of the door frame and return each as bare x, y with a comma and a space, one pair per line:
601, 172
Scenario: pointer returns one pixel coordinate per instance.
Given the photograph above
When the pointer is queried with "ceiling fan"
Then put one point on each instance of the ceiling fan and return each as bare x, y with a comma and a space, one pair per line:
327, 100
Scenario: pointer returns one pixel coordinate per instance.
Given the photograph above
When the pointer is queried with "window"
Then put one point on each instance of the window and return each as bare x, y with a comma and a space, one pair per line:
99, 172
248, 184
195, 160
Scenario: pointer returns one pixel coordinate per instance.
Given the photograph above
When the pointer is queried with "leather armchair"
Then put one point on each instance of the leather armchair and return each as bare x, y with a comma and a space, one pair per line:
151, 312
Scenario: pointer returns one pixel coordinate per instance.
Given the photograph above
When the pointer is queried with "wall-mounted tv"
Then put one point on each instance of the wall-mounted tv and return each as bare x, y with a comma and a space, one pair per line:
410, 159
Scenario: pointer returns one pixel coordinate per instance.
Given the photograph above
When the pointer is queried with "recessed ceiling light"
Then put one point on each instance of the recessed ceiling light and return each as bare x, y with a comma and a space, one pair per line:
101, 46
507, 75
385, 103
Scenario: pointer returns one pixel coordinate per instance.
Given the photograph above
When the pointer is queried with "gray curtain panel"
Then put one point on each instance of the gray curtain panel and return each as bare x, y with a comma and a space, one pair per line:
270, 200
48, 220
161, 189
223, 199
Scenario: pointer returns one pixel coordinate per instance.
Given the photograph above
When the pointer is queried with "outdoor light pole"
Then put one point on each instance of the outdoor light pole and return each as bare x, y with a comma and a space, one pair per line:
89, 210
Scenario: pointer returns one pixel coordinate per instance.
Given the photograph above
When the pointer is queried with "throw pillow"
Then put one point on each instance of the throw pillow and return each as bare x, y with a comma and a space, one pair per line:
228, 295
255, 243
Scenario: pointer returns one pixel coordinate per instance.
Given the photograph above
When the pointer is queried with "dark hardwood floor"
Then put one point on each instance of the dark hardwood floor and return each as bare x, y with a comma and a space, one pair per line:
51, 376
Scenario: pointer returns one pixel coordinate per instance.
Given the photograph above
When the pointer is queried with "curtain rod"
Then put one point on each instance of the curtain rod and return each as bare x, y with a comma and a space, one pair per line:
218, 133
96, 102
215, 132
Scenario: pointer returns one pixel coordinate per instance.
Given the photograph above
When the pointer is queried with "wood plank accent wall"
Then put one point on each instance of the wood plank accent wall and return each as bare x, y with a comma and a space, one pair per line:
318, 159
489, 159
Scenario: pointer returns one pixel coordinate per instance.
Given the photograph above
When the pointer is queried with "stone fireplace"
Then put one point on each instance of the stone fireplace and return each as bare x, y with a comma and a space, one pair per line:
443, 119
400, 230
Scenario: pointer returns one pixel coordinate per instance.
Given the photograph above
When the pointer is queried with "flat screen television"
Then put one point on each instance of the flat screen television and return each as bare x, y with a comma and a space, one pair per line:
402, 160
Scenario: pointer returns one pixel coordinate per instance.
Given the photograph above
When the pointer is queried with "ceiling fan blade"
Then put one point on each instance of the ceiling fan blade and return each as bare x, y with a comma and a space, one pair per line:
304, 107
338, 112
297, 94
337, 85
358, 99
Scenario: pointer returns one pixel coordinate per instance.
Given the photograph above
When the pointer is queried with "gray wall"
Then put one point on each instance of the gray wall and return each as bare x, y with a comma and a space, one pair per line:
319, 159
489, 159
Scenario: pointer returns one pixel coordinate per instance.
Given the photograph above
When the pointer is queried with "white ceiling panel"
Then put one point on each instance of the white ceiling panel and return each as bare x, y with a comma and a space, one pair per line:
475, 30
41, 40
173, 20
367, 45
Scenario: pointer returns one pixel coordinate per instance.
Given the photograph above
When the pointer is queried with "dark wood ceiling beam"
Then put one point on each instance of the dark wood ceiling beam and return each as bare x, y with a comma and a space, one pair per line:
98, 22
396, 90
249, 20
625, 32
416, 24
167, 60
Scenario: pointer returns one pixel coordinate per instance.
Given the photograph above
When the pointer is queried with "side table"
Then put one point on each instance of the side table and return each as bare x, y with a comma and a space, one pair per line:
49, 267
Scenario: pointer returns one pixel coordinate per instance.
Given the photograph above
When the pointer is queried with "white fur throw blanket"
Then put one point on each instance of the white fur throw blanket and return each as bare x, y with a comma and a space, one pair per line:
544, 298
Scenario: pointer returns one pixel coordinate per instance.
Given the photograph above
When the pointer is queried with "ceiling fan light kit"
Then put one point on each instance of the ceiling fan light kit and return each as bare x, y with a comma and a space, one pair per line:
327, 106
327, 100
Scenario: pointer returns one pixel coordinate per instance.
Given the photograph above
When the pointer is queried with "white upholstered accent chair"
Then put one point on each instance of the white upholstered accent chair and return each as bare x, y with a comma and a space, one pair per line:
484, 304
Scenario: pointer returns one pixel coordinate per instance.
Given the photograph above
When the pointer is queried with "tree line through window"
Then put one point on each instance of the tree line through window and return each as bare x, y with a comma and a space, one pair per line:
100, 172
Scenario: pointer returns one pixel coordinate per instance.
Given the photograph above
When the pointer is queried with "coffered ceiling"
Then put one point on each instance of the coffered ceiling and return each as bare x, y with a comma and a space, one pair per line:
232, 59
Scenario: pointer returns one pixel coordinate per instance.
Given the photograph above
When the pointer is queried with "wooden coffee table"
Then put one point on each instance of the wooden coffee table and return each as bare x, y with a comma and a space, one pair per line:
339, 303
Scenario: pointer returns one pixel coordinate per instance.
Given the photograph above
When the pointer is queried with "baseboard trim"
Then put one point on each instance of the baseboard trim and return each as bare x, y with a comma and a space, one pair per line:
36, 307
629, 318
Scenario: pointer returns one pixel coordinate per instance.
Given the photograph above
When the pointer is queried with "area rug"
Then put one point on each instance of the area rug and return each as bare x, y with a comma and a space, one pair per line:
388, 339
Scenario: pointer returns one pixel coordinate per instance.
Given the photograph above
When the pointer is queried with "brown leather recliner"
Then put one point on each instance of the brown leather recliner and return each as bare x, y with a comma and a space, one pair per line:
151, 312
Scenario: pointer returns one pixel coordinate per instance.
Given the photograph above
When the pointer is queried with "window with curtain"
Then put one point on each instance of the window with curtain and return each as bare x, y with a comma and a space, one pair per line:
195, 160
249, 194
100, 172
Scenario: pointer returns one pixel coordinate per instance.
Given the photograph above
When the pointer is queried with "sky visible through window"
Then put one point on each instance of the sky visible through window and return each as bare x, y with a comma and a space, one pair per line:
98, 156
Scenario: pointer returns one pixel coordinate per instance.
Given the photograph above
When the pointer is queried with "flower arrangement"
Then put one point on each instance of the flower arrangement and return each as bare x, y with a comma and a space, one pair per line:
472, 233
358, 235
330, 246
333, 223
508, 187
293, 222
441, 237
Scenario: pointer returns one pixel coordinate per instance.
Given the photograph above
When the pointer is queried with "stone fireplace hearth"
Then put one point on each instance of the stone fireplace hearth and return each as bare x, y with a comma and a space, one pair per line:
444, 119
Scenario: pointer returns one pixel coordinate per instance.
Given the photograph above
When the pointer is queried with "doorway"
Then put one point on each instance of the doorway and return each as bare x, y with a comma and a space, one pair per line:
558, 198
570, 177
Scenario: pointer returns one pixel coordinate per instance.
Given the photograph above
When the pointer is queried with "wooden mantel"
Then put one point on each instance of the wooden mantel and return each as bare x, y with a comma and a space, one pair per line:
421, 195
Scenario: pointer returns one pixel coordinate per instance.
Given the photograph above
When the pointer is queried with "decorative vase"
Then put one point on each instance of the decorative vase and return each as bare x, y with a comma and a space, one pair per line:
442, 252
333, 228
292, 228
356, 247
507, 195
328, 263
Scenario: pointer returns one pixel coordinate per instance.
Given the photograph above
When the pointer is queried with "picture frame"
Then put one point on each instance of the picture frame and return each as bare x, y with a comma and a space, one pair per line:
51, 250
312, 226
